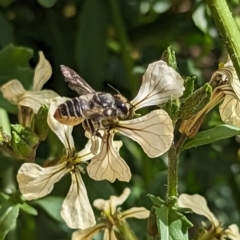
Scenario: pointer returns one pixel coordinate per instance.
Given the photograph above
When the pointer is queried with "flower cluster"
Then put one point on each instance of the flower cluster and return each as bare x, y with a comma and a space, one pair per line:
153, 132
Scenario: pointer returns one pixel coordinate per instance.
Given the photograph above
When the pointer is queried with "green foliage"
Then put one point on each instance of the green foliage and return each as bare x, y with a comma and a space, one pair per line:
104, 47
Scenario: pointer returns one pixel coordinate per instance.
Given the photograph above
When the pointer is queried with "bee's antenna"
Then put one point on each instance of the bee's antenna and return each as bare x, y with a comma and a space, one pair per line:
113, 88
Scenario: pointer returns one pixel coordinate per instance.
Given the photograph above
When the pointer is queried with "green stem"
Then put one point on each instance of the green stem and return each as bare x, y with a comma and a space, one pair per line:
227, 29
125, 232
124, 43
172, 172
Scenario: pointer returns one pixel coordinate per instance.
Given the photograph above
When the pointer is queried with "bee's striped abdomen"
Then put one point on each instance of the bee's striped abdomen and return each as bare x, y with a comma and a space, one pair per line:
70, 112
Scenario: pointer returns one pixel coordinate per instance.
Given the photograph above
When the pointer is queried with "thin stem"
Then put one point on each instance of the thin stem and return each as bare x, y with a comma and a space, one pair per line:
172, 172
180, 143
124, 43
227, 29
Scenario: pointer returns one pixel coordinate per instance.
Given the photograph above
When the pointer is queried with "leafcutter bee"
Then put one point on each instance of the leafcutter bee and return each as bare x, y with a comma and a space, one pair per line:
92, 109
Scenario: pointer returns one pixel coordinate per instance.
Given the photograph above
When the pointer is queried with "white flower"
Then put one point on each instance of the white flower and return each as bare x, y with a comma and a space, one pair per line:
15, 93
36, 182
199, 206
154, 131
112, 217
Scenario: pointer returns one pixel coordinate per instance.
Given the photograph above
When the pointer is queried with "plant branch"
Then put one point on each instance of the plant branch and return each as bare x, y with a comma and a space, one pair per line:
227, 29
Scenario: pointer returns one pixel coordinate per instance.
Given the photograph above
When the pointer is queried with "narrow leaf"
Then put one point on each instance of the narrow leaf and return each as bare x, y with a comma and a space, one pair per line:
212, 135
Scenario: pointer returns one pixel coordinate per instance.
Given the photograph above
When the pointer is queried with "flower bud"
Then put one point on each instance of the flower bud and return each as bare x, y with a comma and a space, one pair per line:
169, 57
189, 87
23, 141
40, 126
196, 102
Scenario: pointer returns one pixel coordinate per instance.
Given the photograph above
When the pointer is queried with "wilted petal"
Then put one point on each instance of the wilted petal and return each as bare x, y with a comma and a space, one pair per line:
35, 100
154, 132
13, 91
42, 72
36, 182
198, 205
86, 153
111, 204
159, 83
87, 234
230, 111
76, 209
136, 212
108, 164
64, 132
109, 235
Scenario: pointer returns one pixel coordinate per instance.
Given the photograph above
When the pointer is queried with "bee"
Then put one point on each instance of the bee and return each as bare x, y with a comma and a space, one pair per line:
92, 109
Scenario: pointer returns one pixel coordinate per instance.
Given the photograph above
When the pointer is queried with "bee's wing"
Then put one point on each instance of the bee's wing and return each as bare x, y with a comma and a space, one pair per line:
75, 82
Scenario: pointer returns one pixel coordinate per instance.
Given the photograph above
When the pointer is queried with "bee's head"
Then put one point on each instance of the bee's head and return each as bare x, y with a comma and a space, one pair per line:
122, 105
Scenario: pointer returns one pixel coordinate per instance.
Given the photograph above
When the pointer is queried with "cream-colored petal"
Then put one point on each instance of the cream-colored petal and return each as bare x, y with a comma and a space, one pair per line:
230, 111
13, 91
108, 164
86, 153
36, 182
116, 201
159, 83
198, 205
154, 132
42, 72
35, 100
64, 132
233, 232
109, 234
88, 233
136, 212
111, 204
76, 209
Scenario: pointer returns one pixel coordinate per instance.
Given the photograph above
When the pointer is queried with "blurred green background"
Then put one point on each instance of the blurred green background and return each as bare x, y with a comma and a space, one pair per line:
112, 42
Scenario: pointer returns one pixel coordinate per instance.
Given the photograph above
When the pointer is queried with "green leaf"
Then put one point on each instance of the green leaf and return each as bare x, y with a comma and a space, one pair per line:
52, 206
8, 217
172, 225
156, 200
14, 64
212, 135
28, 209
91, 49
47, 3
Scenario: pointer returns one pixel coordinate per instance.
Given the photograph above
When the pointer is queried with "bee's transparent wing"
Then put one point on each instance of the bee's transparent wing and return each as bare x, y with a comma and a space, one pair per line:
75, 82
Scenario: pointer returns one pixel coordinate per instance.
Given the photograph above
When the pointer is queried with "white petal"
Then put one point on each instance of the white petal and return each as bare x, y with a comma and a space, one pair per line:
76, 209
36, 182
64, 132
136, 212
87, 234
13, 91
159, 83
198, 205
111, 204
35, 100
154, 132
230, 111
233, 232
86, 153
42, 72
108, 164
